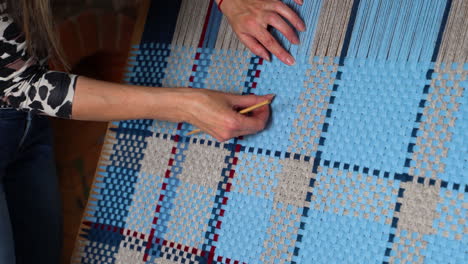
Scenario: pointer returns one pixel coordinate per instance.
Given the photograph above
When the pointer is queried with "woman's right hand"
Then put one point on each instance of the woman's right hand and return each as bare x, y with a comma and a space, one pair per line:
216, 113
213, 112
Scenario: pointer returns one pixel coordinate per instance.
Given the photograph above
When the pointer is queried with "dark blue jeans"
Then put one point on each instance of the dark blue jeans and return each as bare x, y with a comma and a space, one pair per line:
30, 215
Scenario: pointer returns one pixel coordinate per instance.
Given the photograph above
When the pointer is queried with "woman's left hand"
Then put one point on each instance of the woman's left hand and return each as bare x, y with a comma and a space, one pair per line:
250, 20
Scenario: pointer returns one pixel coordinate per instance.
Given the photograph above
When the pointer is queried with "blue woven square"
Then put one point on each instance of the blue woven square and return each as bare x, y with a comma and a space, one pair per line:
331, 238
289, 89
190, 212
239, 237
389, 94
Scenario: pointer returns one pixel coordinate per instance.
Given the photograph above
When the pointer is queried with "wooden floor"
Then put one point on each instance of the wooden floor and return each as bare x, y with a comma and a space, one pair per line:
101, 55
77, 150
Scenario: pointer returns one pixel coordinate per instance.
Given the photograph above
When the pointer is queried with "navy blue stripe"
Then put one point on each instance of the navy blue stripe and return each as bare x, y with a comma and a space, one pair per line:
448, 6
394, 225
161, 21
349, 31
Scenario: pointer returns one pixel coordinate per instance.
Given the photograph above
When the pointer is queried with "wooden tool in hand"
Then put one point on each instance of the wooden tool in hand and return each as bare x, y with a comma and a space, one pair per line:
243, 111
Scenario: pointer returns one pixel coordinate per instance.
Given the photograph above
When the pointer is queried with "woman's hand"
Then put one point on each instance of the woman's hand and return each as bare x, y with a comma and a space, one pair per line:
216, 113
250, 20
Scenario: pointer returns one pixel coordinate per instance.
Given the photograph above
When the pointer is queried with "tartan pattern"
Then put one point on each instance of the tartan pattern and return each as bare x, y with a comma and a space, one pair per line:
364, 160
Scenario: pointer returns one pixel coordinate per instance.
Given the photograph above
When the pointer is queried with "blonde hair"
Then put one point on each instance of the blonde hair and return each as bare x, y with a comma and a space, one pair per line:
35, 19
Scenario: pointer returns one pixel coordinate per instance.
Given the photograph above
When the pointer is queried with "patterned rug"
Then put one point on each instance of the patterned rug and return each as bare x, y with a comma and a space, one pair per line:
364, 161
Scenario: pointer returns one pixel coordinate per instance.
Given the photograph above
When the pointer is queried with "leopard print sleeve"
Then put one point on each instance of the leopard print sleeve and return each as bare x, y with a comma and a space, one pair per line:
27, 84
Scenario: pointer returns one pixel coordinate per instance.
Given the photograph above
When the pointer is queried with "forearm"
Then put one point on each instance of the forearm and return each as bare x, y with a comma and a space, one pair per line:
103, 101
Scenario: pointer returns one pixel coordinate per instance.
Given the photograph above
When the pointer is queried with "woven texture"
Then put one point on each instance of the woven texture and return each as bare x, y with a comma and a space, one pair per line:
364, 160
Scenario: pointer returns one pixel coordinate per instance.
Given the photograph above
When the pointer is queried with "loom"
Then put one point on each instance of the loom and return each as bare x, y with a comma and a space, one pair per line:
364, 161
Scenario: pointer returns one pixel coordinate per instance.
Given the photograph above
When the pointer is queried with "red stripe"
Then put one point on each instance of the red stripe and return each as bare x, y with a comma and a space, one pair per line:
166, 243
225, 199
205, 26
211, 255
238, 148
170, 163
148, 245
202, 39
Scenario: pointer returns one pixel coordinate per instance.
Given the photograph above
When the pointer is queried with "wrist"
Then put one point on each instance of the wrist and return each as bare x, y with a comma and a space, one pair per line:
189, 102
184, 101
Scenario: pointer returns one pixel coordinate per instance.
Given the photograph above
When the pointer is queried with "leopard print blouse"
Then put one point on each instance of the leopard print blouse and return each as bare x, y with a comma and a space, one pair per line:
26, 83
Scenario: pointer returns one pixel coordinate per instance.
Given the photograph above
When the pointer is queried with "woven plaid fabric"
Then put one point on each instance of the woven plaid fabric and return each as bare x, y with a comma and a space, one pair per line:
364, 161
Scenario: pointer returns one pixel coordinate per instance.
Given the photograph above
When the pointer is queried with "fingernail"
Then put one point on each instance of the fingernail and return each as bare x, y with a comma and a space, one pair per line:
290, 61
296, 40
302, 27
301, 2
271, 96
267, 57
